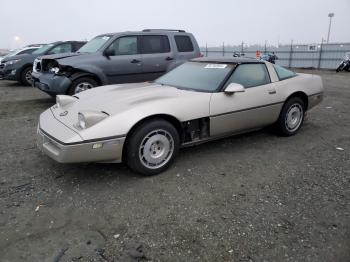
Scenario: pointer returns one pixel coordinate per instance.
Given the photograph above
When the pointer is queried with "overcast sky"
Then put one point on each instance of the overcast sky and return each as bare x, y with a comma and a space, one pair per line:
212, 22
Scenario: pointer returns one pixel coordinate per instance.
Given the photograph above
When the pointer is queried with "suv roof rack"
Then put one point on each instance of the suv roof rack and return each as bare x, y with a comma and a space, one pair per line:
174, 30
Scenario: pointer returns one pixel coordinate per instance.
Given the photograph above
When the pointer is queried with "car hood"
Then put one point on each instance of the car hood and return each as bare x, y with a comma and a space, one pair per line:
129, 103
15, 57
116, 98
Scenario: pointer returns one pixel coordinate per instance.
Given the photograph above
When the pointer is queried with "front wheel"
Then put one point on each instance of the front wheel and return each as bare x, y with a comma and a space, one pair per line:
291, 117
82, 84
152, 147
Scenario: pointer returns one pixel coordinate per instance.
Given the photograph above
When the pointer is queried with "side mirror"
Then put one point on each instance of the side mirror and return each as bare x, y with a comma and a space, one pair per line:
234, 88
109, 52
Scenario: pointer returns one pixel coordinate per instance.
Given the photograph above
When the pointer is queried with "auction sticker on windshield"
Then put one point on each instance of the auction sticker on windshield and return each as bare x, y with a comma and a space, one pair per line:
216, 66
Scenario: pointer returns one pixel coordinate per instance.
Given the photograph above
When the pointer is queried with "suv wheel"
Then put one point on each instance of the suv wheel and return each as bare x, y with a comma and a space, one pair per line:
26, 76
82, 84
153, 147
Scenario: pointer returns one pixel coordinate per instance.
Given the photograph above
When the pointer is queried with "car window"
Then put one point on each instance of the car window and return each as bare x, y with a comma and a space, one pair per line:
77, 45
249, 75
183, 43
126, 45
62, 48
283, 73
197, 76
43, 49
27, 51
155, 44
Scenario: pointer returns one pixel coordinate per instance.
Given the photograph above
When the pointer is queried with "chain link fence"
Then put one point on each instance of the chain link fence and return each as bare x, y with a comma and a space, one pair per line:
320, 56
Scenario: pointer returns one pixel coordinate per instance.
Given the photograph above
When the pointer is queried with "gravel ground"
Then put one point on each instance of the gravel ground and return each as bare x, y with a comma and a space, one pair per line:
254, 197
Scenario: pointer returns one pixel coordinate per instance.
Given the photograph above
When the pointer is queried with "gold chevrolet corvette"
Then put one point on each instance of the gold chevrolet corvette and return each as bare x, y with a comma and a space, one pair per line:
145, 124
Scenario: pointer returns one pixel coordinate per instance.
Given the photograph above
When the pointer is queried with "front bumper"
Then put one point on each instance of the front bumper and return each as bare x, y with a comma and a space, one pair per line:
51, 83
110, 150
9, 74
65, 145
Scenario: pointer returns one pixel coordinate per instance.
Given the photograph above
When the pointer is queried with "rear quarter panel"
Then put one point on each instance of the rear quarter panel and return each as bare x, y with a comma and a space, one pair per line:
309, 84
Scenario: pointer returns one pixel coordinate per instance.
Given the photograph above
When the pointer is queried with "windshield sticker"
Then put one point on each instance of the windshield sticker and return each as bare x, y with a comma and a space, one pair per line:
105, 38
216, 66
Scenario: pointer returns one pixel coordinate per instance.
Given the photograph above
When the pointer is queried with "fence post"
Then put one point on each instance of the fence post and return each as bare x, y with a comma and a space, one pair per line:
320, 56
290, 54
223, 48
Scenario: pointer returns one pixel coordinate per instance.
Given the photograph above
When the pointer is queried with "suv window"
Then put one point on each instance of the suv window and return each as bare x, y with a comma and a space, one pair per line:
283, 73
155, 44
27, 51
183, 43
249, 75
63, 48
126, 45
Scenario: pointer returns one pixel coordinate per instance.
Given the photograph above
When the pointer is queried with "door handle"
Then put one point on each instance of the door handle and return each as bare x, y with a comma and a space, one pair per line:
134, 61
169, 58
272, 91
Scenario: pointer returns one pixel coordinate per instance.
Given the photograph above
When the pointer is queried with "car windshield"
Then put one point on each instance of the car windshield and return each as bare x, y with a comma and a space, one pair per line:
94, 45
42, 49
198, 76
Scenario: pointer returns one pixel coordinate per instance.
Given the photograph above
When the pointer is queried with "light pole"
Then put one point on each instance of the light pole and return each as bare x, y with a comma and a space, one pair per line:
330, 15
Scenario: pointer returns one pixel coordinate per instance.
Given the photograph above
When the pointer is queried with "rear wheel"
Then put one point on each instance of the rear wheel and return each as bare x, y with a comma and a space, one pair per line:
152, 147
291, 117
82, 84
26, 76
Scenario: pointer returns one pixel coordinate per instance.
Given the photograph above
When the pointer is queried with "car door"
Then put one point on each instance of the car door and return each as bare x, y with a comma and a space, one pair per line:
257, 106
123, 62
156, 56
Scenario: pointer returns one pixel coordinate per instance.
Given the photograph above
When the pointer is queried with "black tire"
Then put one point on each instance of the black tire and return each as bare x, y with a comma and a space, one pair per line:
89, 81
283, 126
24, 76
141, 139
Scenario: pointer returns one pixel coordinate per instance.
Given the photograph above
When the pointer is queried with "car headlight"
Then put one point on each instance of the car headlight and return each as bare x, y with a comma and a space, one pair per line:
63, 100
11, 62
54, 70
87, 119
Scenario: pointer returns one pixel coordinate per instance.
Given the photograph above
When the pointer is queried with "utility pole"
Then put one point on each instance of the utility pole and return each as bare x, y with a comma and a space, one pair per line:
330, 15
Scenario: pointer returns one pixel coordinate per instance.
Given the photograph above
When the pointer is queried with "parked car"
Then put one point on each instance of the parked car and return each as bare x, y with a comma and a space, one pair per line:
145, 124
19, 67
115, 58
21, 51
